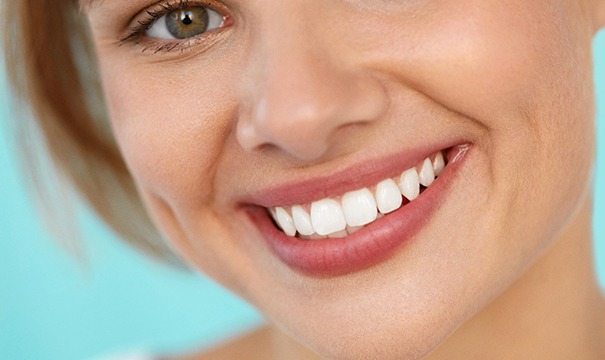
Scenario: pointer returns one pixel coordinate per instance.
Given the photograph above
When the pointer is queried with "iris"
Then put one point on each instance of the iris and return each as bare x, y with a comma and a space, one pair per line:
187, 22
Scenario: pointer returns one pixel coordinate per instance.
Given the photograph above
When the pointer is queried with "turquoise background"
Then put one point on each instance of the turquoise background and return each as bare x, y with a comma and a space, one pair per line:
53, 306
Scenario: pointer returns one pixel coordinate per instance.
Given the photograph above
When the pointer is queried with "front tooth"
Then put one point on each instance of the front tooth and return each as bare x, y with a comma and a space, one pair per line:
285, 222
409, 185
388, 196
359, 207
427, 173
327, 217
439, 163
302, 221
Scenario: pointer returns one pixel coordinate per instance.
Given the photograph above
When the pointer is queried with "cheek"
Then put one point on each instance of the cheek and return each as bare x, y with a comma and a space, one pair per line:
171, 125
491, 60
530, 87
518, 69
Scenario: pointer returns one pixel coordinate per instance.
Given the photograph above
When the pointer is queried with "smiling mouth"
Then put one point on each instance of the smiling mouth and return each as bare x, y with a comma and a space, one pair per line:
346, 214
339, 234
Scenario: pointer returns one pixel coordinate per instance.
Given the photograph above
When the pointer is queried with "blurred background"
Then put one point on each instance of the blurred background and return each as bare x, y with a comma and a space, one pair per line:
54, 306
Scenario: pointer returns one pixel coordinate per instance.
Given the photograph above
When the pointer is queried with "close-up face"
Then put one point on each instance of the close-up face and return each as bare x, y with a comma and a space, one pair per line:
317, 113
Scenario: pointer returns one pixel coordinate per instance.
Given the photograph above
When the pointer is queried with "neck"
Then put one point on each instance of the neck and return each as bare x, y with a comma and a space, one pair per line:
555, 311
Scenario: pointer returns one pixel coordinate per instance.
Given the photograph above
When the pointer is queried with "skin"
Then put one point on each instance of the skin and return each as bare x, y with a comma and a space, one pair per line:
291, 91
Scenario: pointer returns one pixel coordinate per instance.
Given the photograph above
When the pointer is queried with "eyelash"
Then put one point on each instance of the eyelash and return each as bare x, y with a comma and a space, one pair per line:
136, 32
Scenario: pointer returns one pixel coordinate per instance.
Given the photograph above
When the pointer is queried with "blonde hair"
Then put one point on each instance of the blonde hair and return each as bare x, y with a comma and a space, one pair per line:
51, 69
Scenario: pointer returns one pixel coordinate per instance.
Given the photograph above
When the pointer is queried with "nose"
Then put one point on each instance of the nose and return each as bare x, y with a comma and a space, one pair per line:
301, 90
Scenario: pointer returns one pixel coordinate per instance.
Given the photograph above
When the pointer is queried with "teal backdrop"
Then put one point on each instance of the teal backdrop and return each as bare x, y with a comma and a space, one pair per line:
53, 306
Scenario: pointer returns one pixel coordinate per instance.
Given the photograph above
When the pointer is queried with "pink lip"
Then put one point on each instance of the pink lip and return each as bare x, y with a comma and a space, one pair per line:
372, 244
352, 178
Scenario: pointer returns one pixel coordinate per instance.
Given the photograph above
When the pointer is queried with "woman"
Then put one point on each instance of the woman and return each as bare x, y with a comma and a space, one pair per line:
382, 179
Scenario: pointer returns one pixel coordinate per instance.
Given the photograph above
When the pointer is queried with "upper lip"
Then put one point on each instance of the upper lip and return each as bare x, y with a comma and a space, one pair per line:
307, 189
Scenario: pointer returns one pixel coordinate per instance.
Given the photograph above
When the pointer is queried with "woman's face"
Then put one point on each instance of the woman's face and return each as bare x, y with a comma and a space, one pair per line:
287, 103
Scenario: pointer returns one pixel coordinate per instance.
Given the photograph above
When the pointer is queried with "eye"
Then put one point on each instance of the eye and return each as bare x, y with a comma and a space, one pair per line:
184, 23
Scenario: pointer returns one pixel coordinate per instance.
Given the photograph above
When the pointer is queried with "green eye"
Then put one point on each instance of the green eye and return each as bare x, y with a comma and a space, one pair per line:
184, 23
187, 22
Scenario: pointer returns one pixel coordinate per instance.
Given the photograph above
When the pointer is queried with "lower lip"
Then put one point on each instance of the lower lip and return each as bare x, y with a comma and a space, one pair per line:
373, 244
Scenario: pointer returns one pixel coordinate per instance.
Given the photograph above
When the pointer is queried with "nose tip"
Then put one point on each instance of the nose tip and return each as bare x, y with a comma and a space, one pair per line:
292, 128
300, 105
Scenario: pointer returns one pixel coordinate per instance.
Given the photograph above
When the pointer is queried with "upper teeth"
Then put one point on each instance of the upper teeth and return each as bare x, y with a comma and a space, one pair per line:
339, 216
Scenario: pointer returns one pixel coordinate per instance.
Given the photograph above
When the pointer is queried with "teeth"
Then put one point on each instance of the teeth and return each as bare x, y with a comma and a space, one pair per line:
427, 173
327, 217
439, 163
388, 196
285, 222
330, 218
302, 221
359, 207
409, 184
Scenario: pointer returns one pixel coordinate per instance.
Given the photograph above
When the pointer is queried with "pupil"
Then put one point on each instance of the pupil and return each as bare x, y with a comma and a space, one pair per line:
187, 18
187, 22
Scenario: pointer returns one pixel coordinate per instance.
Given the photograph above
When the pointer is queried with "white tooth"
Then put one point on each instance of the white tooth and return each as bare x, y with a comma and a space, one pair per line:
409, 185
427, 173
273, 214
359, 207
388, 196
327, 217
439, 163
285, 222
302, 221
